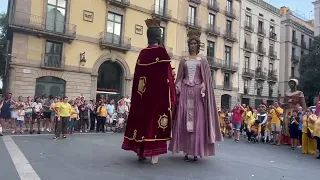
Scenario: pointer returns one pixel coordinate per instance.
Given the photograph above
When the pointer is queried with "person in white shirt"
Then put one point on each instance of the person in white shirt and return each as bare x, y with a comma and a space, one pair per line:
127, 101
20, 118
123, 108
36, 115
110, 109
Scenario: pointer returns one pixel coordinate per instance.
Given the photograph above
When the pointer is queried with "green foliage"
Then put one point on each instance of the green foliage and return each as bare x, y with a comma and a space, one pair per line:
310, 70
3, 42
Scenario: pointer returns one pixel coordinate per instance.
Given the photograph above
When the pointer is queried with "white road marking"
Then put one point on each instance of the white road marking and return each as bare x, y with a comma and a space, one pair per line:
24, 169
27, 135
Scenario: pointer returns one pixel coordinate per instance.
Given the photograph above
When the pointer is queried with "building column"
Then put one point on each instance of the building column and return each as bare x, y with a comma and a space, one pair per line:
127, 84
94, 80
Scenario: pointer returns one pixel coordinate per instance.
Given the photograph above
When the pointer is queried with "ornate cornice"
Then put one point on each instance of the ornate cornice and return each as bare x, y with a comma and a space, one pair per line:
265, 5
299, 26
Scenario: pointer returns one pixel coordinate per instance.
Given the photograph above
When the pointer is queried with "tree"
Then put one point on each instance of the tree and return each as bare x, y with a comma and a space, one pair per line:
310, 71
3, 42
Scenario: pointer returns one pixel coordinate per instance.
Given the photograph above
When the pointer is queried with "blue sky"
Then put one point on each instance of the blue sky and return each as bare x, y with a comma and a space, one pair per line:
303, 7
3, 5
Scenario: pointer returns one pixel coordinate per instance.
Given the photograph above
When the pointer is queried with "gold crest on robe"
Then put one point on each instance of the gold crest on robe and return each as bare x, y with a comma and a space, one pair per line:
163, 122
142, 85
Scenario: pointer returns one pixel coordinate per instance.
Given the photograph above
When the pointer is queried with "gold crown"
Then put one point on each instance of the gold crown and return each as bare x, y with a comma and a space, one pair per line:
152, 23
194, 33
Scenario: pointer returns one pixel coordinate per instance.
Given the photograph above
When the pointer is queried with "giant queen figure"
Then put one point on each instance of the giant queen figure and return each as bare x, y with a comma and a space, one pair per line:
196, 127
153, 97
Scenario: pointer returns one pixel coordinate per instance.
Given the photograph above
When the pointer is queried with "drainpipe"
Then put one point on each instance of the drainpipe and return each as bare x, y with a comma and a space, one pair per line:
239, 54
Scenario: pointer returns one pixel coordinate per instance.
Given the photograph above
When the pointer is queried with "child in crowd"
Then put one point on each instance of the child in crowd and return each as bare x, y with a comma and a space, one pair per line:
294, 128
120, 122
20, 118
222, 122
74, 117
267, 132
228, 125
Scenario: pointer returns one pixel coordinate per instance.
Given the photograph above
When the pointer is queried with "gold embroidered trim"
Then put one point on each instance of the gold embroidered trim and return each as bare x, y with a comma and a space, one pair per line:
170, 108
142, 85
135, 134
157, 60
146, 140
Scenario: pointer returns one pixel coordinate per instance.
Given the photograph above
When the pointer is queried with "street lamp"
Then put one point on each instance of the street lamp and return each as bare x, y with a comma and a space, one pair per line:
83, 58
310, 15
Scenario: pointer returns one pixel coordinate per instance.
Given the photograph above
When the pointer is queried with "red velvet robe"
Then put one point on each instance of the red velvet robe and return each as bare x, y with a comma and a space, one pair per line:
153, 97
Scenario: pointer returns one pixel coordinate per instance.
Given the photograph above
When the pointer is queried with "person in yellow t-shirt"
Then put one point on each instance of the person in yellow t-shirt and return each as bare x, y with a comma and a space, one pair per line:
276, 113
250, 115
74, 117
309, 144
102, 113
254, 129
54, 108
316, 133
63, 117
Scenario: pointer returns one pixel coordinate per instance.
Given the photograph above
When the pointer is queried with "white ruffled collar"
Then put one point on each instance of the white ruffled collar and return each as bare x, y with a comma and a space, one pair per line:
197, 58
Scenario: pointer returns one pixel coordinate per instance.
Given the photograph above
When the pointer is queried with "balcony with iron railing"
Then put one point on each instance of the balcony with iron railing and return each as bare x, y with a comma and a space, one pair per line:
273, 36
195, 1
213, 5
261, 31
261, 51
193, 23
119, 3
161, 12
272, 54
260, 75
248, 73
229, 66
230, 12
212, 30
304, 44
52, 61
248, 47
260, 58
227, 86
294, 40
231, 36
272, 76
214, 63
113, 41
41, 26
294, 77
295, 59
248, 26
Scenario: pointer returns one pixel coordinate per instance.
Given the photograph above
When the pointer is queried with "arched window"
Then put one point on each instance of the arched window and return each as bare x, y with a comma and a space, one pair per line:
49, 85
110, 80
225, 101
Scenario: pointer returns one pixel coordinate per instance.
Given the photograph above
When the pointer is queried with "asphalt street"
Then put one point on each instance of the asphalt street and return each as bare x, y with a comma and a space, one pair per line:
99, 156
